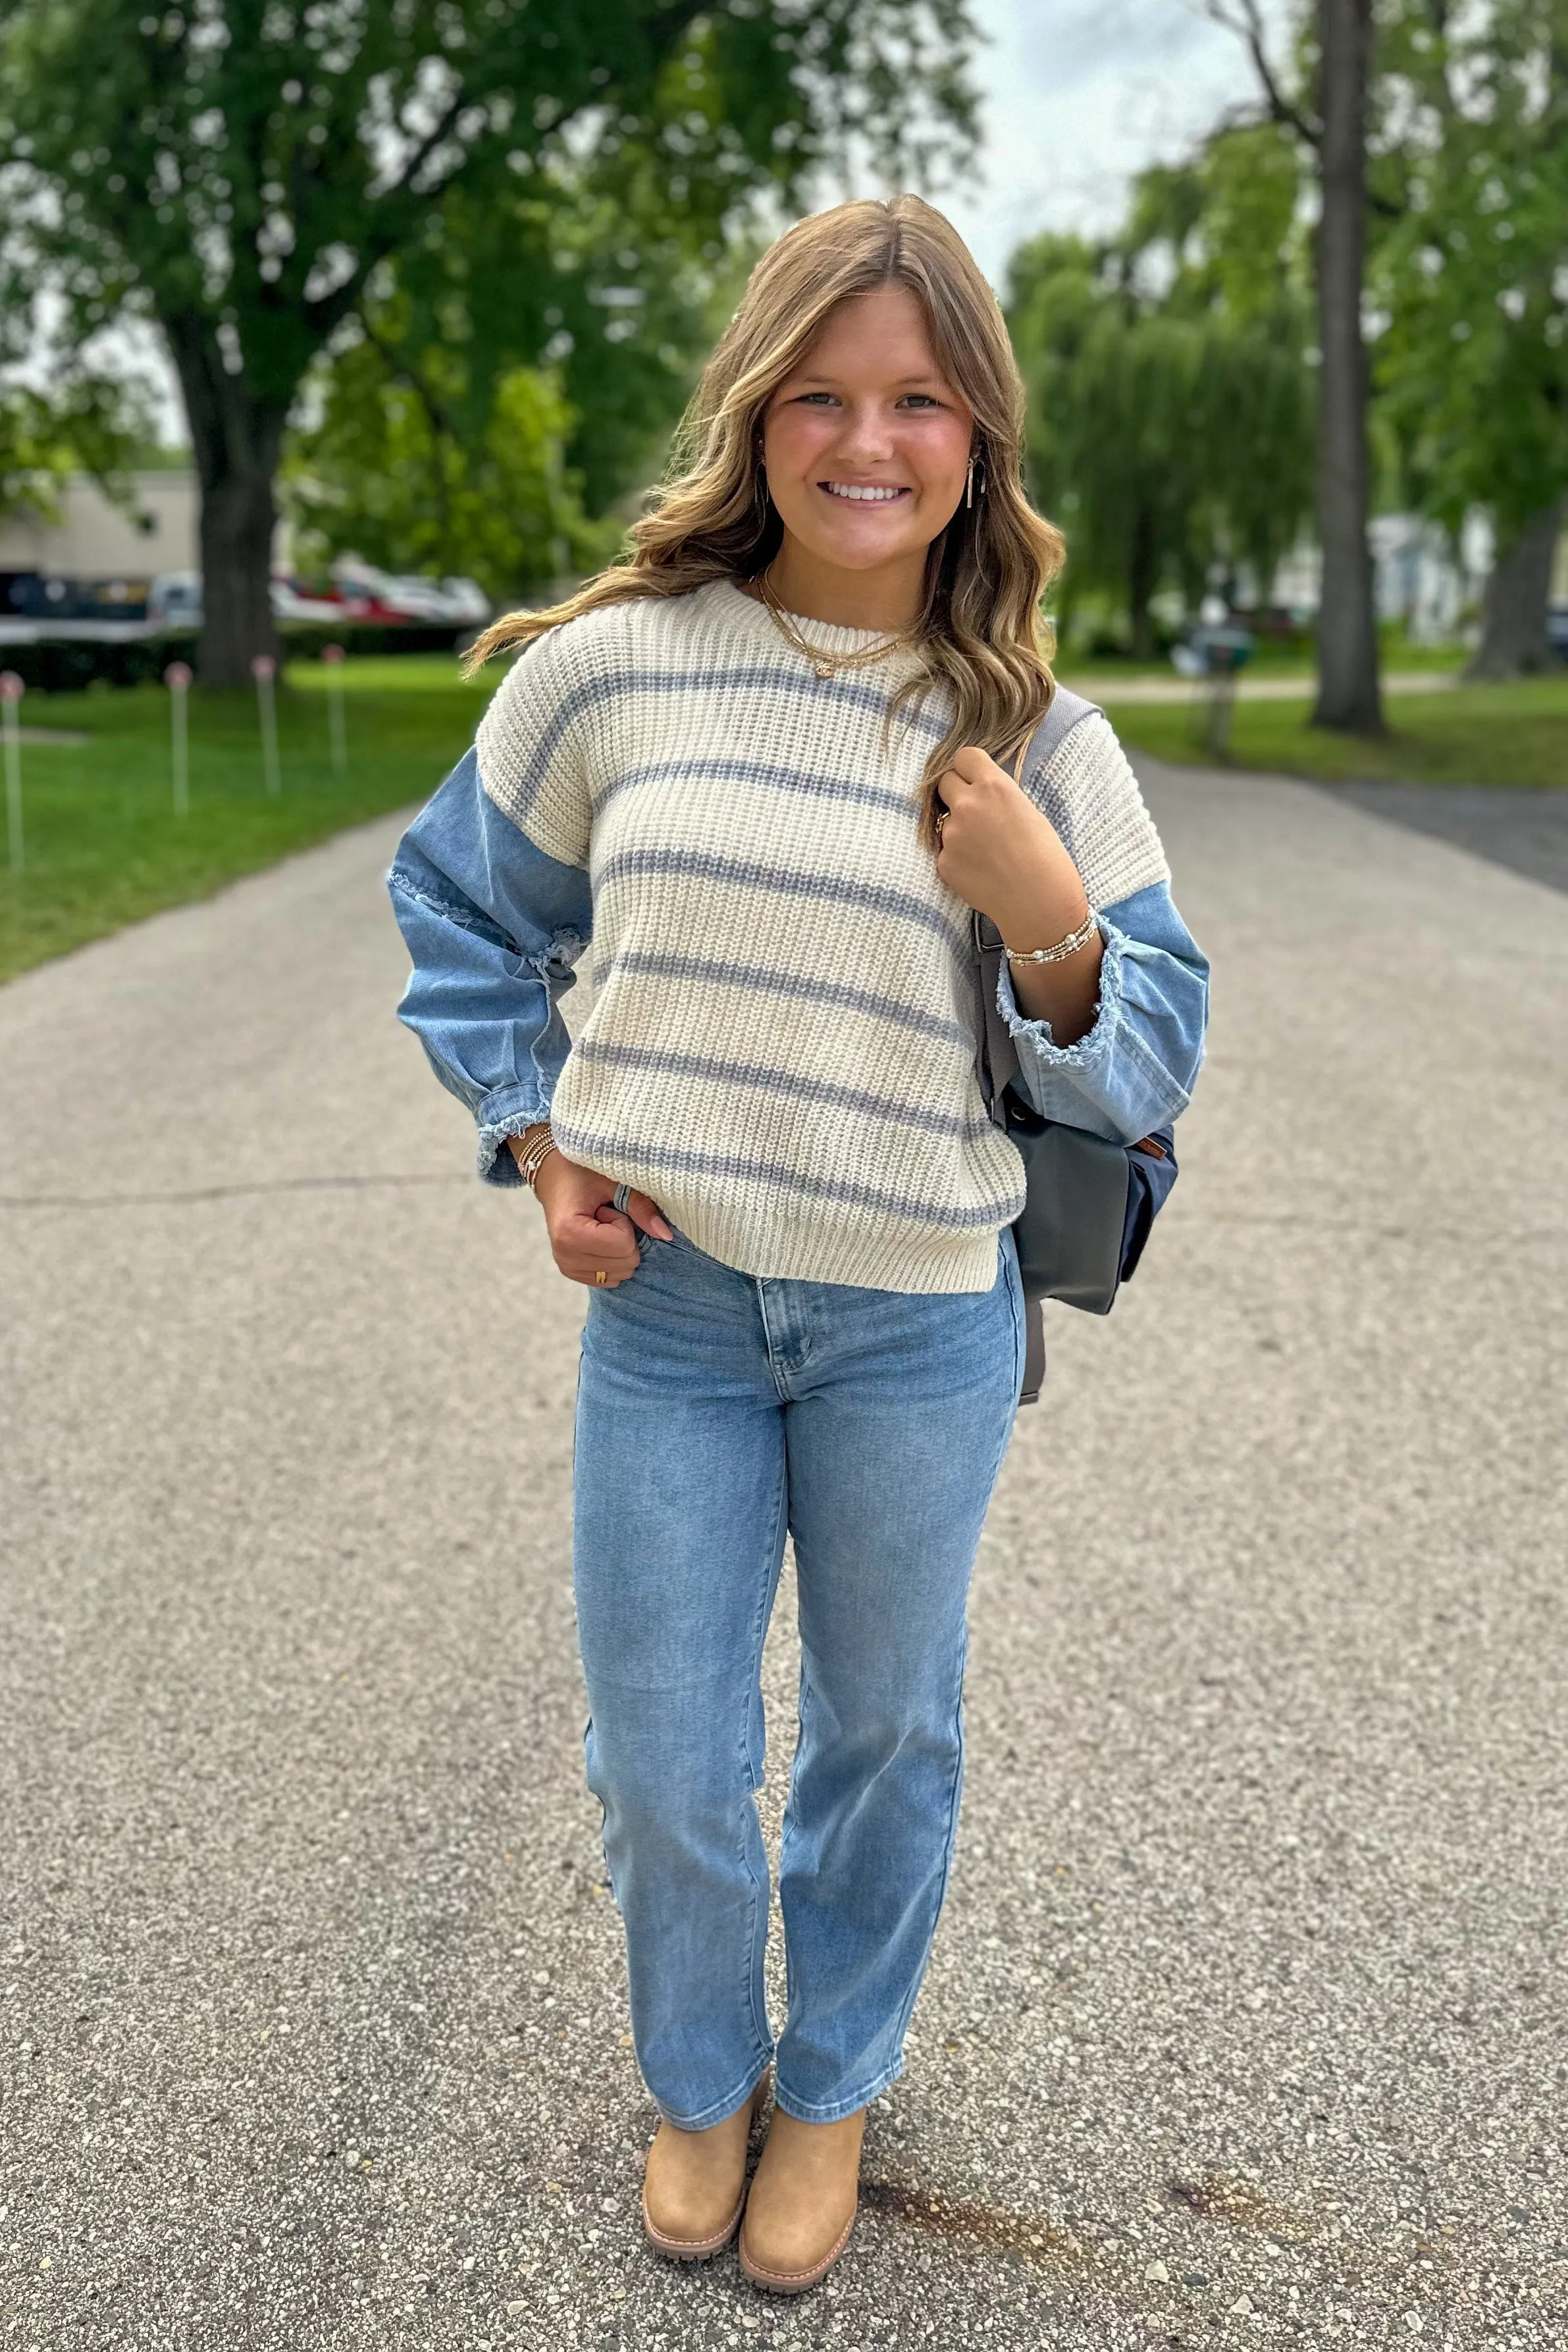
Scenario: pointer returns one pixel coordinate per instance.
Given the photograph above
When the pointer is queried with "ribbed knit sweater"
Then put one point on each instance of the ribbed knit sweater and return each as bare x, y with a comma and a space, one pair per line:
781, 1048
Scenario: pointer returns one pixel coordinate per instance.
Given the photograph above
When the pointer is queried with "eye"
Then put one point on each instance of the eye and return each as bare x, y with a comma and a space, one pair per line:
807, 399
921, 399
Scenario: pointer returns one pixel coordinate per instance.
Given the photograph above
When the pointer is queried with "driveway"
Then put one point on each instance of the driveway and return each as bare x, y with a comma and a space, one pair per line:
1246, 2023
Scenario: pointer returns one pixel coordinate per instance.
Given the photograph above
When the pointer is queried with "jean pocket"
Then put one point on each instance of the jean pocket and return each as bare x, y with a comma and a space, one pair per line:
659, 1240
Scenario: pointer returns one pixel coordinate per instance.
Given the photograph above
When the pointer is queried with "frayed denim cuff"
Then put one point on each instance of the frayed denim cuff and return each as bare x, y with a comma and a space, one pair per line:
1093, 1048
508, 1112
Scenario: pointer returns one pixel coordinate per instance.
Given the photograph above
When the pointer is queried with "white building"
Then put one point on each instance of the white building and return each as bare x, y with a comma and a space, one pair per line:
1420, 575
95, 539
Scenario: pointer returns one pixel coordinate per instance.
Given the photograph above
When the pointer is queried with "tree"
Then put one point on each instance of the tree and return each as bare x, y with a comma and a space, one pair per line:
91, 424
385, 471
1334, 132
83, 421
239, 170
1170, 400
438, 436
1475, 281
1349, 695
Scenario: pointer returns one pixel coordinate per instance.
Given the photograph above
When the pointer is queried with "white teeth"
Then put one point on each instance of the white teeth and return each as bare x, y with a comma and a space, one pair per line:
853, 490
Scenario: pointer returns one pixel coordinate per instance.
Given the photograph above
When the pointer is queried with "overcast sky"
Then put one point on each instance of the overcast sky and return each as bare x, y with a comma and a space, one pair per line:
1079, 95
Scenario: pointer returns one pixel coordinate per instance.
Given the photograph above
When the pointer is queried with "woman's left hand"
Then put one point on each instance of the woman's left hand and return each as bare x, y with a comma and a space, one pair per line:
999, 853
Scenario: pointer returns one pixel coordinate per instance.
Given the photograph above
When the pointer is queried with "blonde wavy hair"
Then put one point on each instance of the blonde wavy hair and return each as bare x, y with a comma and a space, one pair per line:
979, 627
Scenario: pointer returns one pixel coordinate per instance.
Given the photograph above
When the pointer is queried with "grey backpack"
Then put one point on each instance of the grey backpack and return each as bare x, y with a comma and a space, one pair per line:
1088, 1204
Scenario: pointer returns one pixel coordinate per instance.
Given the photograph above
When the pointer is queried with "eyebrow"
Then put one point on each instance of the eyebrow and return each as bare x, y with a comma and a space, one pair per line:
812, 375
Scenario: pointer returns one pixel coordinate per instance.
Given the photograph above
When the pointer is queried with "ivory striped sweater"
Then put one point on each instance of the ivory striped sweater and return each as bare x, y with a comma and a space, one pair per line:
781, 1048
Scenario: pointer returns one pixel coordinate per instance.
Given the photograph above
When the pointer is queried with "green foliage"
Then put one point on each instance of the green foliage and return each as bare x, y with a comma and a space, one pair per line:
92, 426
521, 370
584, 278
240, 172
1171, 400
255, 176
1473, 274
390, 473
1230, 223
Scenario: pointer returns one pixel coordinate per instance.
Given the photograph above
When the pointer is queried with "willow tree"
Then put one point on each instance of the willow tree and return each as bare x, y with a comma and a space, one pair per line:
237, 171
1171, 402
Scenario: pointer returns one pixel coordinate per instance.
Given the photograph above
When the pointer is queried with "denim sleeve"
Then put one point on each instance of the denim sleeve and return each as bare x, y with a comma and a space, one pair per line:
1135, 1069
494, 926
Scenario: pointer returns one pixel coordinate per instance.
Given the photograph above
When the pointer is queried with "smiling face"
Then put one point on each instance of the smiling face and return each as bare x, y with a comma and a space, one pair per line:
867, 448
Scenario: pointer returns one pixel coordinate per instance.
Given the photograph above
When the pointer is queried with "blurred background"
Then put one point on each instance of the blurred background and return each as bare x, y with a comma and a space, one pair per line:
323, 333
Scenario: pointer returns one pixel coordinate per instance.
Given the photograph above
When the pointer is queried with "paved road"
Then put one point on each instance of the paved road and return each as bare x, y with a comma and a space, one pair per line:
1524, 828
1246, 2021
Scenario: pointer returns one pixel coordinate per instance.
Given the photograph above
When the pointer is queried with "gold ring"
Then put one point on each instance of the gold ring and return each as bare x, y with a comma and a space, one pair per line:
600, 1276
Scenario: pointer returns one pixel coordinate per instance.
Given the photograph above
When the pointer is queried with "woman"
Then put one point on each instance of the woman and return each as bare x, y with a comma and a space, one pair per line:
760, 765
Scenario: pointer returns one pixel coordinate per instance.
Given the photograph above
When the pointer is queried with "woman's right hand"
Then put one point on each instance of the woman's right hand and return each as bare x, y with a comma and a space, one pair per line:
587, 1236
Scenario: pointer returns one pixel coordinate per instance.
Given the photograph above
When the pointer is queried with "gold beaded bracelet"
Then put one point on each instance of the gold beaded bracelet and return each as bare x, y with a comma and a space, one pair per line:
1063, 948
534, 1154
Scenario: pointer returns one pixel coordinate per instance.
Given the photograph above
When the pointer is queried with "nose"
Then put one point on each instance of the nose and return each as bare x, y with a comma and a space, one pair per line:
866, 438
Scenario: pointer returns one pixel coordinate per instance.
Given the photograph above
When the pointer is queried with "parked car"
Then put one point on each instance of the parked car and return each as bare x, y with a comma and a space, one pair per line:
397, 613
390, 597
17, 590
355, 591
468, 602
292, 601
175, 602
1284, 621
34, 596
1557, 630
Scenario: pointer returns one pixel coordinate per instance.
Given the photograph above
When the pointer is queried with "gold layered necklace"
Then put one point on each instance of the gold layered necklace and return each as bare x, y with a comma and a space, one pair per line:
825, 664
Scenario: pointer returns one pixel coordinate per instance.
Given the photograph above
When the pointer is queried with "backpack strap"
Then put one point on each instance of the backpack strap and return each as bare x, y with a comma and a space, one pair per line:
1063, 713
996, 1056
1034, 1352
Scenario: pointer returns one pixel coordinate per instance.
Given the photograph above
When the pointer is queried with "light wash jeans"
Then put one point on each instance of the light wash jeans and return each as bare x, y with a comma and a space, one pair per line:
715, 1413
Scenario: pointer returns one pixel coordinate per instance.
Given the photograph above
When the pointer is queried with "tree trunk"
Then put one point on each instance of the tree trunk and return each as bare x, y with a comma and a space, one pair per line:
1348, 695
1514, 641
238, 439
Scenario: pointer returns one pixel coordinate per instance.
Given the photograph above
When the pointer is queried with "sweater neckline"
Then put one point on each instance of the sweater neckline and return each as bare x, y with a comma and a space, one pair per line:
752, 619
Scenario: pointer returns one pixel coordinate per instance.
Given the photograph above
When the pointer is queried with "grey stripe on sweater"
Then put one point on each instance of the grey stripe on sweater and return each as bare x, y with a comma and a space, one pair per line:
829, 890
791, 1083
773, 982
727, 768
613, 684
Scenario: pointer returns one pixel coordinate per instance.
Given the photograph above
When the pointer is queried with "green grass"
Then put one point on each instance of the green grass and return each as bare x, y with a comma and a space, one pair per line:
1470, 735
103, 844
1271, 658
